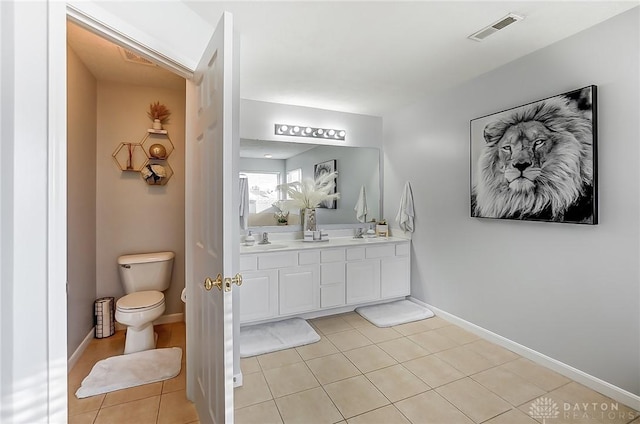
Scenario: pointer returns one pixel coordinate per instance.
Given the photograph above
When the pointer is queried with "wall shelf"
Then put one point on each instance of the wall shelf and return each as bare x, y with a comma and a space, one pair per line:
143, 157
130, 157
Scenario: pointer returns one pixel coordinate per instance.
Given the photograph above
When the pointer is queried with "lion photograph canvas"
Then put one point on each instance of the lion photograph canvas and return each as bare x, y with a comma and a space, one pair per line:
537, 162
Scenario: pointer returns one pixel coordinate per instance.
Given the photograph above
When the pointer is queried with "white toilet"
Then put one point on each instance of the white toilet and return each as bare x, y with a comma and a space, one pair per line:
144, 277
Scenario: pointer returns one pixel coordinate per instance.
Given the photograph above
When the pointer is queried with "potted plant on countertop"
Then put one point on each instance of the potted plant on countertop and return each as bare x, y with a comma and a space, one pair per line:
382, 229
282, 213
308, 194
159, 114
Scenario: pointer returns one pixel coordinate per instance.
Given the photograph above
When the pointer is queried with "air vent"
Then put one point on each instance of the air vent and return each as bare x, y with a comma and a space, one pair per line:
495, 27
134, 58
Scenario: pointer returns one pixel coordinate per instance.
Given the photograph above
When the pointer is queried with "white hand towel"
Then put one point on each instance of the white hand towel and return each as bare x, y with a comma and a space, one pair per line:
406, 213
244, 202
361, 206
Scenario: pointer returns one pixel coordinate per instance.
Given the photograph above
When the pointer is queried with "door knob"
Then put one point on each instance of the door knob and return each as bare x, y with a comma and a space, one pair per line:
237, 280
209, 283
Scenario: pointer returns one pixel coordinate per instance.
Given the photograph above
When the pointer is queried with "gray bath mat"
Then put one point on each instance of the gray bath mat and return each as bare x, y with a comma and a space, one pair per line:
273, 336
394, 313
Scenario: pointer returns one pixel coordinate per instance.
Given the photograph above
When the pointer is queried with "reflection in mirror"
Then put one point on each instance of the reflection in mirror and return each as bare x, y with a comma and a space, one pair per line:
269, 163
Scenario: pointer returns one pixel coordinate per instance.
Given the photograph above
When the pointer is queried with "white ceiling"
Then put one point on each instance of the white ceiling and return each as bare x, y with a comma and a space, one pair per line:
367, 57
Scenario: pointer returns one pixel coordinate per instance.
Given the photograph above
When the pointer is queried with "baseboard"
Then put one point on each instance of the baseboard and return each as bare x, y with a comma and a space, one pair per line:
237, 380
169, 319
80, 350
607, 389
164, 319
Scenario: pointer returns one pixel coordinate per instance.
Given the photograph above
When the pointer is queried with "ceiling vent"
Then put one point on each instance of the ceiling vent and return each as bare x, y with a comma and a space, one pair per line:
495, 27
134, 58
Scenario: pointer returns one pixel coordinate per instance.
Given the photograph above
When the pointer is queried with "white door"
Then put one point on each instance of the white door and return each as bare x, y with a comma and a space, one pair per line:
212, 201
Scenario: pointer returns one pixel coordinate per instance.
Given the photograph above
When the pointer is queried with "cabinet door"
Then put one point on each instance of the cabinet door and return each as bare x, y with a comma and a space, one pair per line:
258, 295
332, 285
395, 279
363, 281
299, 289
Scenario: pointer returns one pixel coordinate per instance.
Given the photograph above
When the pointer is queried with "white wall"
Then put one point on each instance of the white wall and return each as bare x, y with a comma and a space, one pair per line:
571, 292
133, 217
81, 200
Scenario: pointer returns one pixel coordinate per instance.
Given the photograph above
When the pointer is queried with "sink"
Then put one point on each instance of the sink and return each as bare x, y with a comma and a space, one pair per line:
265, 246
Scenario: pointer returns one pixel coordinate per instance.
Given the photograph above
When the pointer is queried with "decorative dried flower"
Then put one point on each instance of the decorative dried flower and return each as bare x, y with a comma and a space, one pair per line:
158, 111
309, 193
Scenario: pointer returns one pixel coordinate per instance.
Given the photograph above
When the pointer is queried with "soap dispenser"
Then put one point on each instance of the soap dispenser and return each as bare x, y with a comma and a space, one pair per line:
249, 240
371, 232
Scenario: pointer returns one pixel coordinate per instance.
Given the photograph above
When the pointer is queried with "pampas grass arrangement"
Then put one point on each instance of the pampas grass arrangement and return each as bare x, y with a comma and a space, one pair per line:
159, 112
309, 193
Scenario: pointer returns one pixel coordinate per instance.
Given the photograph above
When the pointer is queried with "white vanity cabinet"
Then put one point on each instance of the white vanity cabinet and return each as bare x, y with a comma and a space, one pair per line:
292, 282
299, 289
395, 272
332, 278
259, 295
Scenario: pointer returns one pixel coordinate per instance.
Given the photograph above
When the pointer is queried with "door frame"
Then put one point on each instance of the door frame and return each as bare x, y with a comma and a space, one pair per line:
101, 23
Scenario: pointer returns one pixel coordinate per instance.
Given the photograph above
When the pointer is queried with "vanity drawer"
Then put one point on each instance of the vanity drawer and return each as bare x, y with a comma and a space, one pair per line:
333, 255
277, 260
248, 263
309, 258
381, 251
402, 249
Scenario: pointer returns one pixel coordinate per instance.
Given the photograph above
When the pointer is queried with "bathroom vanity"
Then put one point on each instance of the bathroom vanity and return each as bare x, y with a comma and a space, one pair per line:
296, 277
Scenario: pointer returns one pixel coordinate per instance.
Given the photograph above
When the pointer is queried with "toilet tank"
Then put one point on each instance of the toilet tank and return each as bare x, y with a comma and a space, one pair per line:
146, 271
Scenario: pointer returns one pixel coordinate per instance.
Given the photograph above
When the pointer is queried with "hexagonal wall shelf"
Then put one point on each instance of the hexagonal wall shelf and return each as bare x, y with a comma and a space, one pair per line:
149, 157
153, 137
130, 157
156, 172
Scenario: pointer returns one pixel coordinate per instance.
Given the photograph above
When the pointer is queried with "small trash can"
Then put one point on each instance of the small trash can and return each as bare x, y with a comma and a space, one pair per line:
104, 309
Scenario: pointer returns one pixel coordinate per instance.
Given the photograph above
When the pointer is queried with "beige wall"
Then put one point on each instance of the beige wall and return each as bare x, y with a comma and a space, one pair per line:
81, 200
132, 216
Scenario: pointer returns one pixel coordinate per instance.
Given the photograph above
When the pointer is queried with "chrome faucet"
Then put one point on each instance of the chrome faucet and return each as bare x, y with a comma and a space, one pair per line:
359, 233
265, 238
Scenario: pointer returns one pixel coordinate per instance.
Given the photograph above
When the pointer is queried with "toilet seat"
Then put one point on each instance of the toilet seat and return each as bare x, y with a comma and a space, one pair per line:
140, 301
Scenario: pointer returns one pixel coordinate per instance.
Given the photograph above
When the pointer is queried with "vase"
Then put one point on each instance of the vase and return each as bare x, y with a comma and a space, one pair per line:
309, 220
157, 125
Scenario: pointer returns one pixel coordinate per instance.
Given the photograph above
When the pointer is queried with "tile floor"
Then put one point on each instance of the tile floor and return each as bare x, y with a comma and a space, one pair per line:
423, 372
164, 402
428, 371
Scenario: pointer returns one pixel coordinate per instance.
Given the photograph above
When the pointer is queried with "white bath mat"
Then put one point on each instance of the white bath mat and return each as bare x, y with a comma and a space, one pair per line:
124, 371
273, 336
394, 313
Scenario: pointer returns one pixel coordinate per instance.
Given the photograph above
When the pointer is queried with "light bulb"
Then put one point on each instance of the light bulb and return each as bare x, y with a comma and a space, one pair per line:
332, 133
283, 128
320, 131
341, 134
307, 130
268, 156
296, 129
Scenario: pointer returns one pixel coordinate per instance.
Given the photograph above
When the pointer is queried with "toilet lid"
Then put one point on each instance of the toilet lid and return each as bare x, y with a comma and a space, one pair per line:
139, 300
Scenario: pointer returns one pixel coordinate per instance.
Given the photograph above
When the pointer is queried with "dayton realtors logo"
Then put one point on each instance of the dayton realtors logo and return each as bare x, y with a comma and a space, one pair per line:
603, 412
544, 408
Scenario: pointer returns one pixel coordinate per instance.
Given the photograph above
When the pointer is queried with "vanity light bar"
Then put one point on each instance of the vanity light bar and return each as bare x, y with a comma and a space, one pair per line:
301, 131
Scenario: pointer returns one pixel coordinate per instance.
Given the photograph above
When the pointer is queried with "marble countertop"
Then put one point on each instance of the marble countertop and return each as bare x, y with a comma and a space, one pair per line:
286, 245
